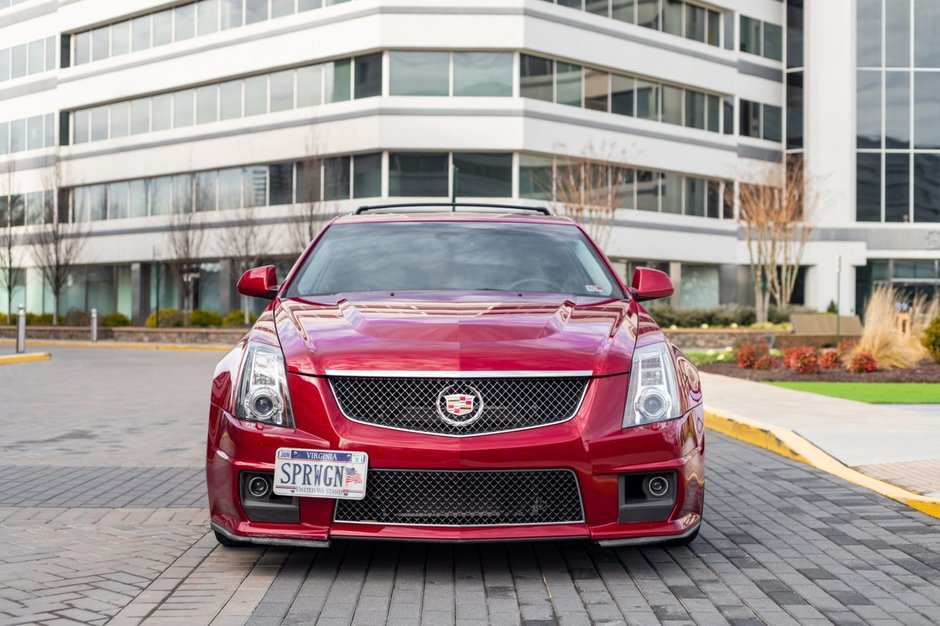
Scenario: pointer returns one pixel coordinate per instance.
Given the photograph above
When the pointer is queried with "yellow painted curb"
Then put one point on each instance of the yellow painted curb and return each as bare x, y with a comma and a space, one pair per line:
31, 357
787, 443
51, 343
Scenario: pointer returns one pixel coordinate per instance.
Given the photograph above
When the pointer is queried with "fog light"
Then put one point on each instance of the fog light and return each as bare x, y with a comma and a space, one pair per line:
258, 487
657, 486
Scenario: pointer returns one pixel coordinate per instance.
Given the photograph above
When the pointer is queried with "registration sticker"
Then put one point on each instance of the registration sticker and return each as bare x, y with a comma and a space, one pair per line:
321, 473
594, 288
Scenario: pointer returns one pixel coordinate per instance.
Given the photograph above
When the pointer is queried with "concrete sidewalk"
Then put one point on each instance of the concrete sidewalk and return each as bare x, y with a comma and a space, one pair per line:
896, 445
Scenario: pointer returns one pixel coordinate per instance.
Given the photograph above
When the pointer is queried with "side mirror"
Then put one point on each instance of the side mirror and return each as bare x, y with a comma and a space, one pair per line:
260, 282
650, 284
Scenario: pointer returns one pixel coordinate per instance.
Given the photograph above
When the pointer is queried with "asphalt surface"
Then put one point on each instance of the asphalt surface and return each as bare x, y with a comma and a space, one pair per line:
103, 520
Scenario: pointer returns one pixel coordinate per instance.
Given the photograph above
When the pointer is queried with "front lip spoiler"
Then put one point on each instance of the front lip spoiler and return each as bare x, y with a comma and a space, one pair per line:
269, 541
645, 541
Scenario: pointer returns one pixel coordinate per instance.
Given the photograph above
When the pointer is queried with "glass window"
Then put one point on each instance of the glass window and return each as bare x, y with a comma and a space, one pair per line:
336, 178
897, 110
795, 110
280, 8
17, 136
337, 80
647, 13
927, 109
622, 184
120, 119
185, 18
596, 90
310, 86
927, 188
97, 202
419, 73
727, 119
306, 5
598, 7
162, 28
256, 186
137, 204
694, 196
120, 38
256, 11
868, 33
49, 130
568, 84
256, 95
82, 48
647, 100
773, 41
647, 190
34, 133
207, 102
367, 175
17, 210
308, 180
207, 16
34, 208
713, 202
183, 108
695, 22
897, 187
713, 114
694, 109
282, 91
281, 183
483, 74
926, 26
898, 33
750, 35
232, 15
672, 17
183, 193
868, 188
714, 28
230, 188
205, 191
140, 33
368, 75
483, 175
771, 120
37, 62
794, 33
161, 111
672, 104
99, 123
4, 138
623, 10
230, 95
162, 198
4, 64
671, 186
117, 201
81, 126
536, 78
750, 119
418, 174
100, 43
621, 94
18, 61
535, 177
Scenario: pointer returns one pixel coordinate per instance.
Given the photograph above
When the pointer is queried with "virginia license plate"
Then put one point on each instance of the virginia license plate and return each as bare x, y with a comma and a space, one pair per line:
321, 473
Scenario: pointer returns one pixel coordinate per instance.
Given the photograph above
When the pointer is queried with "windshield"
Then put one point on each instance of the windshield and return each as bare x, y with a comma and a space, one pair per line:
454, 256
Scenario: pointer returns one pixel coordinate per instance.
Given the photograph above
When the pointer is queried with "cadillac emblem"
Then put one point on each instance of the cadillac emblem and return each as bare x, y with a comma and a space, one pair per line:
459, 405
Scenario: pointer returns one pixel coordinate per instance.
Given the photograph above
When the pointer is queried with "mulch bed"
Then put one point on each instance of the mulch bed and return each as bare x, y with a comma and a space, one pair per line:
926, 372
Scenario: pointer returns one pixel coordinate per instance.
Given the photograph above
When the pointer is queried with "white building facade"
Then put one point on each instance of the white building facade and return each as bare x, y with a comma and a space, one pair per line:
123, 116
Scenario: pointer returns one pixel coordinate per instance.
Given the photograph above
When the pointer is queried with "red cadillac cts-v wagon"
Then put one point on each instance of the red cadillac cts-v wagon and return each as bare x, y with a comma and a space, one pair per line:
454, 376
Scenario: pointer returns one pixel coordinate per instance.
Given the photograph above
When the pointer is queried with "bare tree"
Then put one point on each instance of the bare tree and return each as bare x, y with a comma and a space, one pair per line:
775, 211
310, 209
9, 259
186, 236
58, 241
246, 241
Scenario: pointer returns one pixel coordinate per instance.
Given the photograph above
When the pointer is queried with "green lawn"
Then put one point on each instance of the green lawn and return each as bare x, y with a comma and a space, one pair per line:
873, 393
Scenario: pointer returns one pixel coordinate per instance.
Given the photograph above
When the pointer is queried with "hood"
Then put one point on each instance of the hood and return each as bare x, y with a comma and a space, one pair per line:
456, 333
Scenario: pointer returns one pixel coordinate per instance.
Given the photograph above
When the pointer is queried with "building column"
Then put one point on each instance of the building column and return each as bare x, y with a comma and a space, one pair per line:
140, 293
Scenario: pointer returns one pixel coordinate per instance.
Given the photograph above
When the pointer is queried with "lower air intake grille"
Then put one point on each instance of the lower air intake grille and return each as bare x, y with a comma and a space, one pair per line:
466, 498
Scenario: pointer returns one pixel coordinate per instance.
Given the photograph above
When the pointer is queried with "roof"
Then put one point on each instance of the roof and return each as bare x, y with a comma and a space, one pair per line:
448, 216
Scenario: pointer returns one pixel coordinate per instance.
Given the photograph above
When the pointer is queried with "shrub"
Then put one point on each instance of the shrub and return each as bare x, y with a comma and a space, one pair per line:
76, 317
930, 339
3, 319
726, 315
748, 354
863, 363
832, 309
113, 320
237, 318
803, 360
767, 362
830, 360
880, 336
39, 319
169, 318
201, 318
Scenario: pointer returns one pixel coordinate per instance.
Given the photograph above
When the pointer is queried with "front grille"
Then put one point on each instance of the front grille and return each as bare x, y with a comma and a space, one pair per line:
465, 498
496, 405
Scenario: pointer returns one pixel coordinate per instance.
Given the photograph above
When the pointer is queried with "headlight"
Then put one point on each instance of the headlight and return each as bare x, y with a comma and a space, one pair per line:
262, 390
653, 395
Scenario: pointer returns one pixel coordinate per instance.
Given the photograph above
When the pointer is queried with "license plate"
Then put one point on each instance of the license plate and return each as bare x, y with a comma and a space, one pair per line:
321, 473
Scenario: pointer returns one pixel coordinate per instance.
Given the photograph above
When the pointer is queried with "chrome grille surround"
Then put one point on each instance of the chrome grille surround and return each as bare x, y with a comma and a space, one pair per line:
503, 401
466, 498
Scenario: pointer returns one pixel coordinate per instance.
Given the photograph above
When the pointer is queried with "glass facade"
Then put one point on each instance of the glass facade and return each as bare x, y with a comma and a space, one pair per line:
761, 38
31, 133
27, 59
897, 105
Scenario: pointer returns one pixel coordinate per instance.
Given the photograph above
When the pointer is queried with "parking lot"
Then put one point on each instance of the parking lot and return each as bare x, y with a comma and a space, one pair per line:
103, 519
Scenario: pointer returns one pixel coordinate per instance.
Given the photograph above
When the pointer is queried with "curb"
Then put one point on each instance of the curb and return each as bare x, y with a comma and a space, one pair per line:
182, 347
31, 357
789, 444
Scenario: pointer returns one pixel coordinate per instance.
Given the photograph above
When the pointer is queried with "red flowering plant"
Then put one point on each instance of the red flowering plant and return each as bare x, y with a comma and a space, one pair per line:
749, 353
767, 362
863, 363
830, 360
802, 360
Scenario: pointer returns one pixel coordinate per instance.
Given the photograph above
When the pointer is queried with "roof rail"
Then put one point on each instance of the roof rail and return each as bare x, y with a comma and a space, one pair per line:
452, 206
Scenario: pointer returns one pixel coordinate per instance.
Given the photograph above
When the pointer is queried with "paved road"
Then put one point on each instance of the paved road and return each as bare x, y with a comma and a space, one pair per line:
102, 520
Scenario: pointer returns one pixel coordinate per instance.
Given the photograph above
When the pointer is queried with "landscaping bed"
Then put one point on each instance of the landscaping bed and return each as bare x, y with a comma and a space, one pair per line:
926, 371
